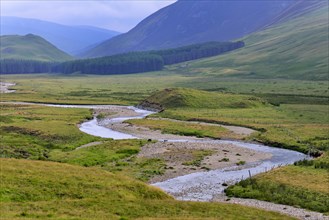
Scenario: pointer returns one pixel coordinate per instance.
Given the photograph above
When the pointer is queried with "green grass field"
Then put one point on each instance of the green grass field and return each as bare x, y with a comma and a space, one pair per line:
186, 129
300, 186
46, 133
114, 156
47, 190
31, 131
133, 88
294, 126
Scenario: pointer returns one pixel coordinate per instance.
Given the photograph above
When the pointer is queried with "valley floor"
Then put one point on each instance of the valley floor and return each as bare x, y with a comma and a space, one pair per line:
33, 132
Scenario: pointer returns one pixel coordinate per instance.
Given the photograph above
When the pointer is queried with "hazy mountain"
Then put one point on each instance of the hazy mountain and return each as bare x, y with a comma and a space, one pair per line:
30, 47
71, 39
188, 22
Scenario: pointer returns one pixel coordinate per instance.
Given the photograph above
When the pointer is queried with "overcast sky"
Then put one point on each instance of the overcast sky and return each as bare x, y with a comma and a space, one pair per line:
119, 15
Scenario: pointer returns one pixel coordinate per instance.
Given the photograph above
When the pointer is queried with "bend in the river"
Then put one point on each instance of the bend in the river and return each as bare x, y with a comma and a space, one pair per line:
200, 186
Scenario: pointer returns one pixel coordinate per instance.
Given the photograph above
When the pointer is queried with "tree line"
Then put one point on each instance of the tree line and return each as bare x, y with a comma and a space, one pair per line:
133, 62
14, 66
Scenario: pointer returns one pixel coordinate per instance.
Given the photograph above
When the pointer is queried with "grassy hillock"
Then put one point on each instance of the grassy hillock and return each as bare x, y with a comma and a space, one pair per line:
30, 47
296, 49
47, 190
197, 99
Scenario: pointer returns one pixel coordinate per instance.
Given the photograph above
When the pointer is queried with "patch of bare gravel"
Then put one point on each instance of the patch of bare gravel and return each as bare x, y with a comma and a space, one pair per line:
116, 111
4, 87
176, 153
284, 209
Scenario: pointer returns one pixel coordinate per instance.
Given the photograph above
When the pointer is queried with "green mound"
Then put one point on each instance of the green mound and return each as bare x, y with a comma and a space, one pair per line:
38, 189
30, 47
191, 98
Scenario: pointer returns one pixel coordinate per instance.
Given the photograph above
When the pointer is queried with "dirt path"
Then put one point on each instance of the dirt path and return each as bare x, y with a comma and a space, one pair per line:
284, 209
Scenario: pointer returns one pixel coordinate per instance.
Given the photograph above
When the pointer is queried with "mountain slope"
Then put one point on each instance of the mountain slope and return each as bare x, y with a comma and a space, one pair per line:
297, 49
188, 22
30, 47
71, 39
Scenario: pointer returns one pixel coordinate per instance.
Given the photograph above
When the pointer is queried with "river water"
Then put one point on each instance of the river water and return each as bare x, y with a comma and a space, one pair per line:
200, 186
203, 186
98, 129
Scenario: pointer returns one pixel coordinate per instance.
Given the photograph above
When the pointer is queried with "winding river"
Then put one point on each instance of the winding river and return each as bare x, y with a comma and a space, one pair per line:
200, 186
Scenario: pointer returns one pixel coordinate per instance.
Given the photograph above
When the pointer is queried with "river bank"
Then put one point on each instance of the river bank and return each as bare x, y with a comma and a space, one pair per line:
4, 87
186, 182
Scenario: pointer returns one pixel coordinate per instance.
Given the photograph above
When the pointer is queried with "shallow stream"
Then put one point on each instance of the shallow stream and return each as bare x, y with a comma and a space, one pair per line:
200, 186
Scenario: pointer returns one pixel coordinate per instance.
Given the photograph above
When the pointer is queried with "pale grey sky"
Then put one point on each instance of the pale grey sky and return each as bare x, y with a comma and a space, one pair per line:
119, 15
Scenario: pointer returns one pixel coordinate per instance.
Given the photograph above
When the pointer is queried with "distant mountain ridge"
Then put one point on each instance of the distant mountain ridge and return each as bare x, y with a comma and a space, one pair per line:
71, 39
30, 47
296, 49
188, 22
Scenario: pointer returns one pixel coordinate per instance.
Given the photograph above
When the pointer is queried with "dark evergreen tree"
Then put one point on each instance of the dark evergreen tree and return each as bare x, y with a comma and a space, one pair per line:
127, 63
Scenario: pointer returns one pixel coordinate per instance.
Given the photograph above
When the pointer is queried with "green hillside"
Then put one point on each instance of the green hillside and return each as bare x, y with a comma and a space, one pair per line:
47, 190
297, 49
30, 47
189, 22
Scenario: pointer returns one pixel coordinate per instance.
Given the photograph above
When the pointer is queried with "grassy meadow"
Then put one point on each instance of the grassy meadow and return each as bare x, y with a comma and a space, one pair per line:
115, 156
299, 186
47, 190
299, 127
280, 126
133, 88
48, 133
186, 129
32, 131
